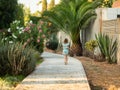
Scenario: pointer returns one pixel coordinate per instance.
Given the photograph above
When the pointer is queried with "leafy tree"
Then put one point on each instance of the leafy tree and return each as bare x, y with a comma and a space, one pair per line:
71, 16
7, 12
20, 13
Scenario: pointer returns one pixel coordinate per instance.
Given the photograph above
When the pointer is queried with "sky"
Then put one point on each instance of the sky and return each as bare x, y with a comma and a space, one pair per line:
32, 4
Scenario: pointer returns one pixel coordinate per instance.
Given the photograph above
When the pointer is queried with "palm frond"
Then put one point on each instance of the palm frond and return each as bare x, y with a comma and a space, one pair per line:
86, 21
71, 15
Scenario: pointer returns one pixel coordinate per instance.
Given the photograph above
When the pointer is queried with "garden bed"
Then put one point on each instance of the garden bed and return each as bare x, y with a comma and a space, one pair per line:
101, 75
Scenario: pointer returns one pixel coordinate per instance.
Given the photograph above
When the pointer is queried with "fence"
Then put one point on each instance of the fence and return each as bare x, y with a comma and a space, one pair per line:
112, 28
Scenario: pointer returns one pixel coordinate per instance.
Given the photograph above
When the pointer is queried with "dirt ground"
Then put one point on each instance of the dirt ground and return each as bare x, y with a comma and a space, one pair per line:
101, 75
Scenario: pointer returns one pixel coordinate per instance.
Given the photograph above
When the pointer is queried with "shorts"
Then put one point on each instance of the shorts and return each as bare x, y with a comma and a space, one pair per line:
65, 52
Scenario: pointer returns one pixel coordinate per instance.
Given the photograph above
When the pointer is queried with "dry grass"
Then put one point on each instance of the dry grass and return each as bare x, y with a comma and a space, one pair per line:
101, 75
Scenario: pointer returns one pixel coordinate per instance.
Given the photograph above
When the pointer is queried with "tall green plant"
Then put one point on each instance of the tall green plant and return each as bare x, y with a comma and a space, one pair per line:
108, 47
71, 16
16, 60
20, 13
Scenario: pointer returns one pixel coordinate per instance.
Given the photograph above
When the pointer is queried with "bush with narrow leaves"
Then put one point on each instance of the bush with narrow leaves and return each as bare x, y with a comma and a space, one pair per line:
17, 60
108, 47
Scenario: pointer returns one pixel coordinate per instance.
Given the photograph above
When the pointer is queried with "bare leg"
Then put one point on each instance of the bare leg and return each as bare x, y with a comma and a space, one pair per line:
66, 59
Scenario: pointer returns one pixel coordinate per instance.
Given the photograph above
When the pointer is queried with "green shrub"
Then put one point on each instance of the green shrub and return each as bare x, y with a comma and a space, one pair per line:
16, 60
90, 45
31, 34
53, 42
52, 45
108, 47
9, 82
35, 19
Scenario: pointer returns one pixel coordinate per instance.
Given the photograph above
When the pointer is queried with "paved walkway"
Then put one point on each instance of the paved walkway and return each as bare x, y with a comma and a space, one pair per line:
52, 74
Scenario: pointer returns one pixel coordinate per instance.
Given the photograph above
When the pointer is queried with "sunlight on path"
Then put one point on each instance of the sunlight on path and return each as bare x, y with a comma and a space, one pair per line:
52, 74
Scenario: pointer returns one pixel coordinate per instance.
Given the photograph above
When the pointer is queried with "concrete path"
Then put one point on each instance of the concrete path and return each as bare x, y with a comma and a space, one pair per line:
52, 74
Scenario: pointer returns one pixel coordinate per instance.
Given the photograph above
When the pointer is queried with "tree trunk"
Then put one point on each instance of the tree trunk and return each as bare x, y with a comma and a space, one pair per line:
76, 48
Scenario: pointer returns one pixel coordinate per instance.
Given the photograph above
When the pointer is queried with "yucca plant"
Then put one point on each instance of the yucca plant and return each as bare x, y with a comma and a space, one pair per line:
103, 41
108, 47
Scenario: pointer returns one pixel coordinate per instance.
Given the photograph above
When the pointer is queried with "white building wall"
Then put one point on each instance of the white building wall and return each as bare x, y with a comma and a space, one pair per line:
95, 27
110, 13
107, 22
103, 14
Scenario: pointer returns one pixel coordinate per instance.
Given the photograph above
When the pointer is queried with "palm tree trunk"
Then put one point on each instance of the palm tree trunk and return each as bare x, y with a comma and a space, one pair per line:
76, 48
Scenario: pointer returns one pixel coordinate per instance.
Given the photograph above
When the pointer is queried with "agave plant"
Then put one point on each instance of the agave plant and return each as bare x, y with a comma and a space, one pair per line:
71, 16
108, 47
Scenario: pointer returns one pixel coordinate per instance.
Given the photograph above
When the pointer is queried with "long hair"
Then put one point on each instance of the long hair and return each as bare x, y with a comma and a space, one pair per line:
66, 40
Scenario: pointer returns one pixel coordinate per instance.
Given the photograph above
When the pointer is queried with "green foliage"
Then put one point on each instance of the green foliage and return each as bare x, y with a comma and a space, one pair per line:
71, 16
35, 35
9, 82
32, 34
34, 19
7, 12
108, 47
52, 43
19, 15
14, 33
39, 61
90, 45
16, 60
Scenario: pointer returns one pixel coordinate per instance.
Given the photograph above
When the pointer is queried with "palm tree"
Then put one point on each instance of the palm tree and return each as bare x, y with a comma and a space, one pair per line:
71, 16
